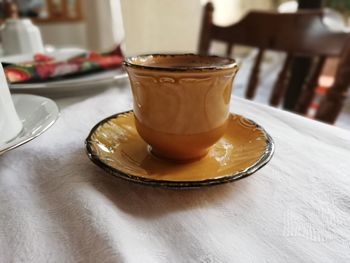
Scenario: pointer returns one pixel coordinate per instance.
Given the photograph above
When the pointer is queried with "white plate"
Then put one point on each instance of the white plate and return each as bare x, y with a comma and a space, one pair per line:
91, 81
37, 115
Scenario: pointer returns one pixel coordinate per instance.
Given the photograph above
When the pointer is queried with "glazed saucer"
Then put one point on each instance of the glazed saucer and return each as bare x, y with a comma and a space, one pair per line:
37, 115
115, 146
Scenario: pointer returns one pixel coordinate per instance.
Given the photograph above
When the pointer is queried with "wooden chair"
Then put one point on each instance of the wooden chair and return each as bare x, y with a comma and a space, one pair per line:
302, 34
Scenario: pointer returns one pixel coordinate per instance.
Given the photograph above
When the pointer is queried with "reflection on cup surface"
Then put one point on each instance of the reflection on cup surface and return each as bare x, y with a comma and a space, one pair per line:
181, 102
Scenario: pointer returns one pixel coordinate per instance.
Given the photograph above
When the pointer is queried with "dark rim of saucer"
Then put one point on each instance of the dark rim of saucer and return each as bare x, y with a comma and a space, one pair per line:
231, 63
264, 159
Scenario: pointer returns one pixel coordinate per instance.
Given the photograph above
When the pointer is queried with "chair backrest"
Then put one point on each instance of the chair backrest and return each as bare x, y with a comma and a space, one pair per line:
296, 34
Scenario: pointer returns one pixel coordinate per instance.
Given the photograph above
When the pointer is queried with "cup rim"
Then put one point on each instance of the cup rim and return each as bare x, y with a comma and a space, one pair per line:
231, 63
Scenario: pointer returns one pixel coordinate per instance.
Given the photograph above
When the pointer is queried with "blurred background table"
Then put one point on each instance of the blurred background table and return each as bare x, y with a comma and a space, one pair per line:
57, 205
98, 25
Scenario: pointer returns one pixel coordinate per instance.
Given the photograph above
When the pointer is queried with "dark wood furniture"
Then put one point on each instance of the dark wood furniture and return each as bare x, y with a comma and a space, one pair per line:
57, 11
298, 34
301, 65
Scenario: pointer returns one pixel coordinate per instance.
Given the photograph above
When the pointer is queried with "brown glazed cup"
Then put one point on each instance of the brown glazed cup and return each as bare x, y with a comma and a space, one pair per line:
181, 102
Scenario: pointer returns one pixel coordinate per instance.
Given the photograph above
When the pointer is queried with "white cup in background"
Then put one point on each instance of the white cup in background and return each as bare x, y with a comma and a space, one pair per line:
10, 124
21, 36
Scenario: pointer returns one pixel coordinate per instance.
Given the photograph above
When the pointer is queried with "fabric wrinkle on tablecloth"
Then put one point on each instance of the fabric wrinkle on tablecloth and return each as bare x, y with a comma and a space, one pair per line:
57, 206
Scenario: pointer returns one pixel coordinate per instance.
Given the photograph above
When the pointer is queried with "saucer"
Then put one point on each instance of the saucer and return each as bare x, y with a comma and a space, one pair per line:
115, 146
37, 115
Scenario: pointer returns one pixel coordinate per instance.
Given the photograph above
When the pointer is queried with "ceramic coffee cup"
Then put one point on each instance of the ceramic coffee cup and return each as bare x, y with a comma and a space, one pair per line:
181, 102
21, 36
10, 124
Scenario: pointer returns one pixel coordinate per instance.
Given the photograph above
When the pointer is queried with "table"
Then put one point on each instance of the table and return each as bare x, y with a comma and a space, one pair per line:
57, 206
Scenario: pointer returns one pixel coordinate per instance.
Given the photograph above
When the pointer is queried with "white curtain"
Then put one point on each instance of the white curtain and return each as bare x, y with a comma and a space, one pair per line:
156, 25
104, 24
153, 26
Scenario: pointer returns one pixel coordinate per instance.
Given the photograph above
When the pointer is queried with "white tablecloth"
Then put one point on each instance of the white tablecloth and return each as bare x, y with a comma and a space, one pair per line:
57, 206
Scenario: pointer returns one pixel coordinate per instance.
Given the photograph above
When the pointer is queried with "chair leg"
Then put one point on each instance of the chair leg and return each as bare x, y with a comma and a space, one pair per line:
280, 86
308, 93
331, 106
254, 76
207, 23
332, 103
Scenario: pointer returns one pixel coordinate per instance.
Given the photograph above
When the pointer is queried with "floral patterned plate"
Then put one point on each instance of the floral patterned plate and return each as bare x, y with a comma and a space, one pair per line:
74, 84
